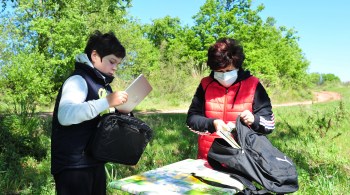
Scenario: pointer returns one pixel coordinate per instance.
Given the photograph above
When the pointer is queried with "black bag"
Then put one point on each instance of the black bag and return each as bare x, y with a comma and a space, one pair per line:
120, 138
256, 160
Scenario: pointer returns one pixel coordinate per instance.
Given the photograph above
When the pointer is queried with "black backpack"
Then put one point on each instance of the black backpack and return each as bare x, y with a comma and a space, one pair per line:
120, 138
257, 160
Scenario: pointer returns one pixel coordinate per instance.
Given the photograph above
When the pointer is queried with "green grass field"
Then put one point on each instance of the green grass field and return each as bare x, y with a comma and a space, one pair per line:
314, 136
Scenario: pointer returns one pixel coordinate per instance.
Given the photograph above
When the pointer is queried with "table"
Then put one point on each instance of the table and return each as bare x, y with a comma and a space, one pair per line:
184, 177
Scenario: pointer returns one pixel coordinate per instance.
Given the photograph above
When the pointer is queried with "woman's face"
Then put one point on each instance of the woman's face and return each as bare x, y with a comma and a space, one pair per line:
108, 64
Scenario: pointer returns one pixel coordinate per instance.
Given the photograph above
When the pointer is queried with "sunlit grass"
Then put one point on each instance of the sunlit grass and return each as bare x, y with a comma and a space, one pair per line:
314, 136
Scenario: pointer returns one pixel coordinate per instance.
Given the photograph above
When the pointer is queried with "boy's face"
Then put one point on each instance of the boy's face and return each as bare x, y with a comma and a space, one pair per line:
108, 64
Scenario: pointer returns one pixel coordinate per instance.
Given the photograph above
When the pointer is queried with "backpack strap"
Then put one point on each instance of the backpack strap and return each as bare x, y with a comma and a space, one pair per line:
250, 187
213, 183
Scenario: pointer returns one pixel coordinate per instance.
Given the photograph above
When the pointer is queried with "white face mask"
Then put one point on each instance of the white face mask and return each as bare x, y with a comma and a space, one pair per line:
226, 79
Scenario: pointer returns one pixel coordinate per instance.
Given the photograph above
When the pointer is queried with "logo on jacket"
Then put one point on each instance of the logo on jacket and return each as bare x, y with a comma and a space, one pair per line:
285, 160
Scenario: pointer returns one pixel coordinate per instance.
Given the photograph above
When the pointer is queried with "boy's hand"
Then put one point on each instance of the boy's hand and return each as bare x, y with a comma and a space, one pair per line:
117, 98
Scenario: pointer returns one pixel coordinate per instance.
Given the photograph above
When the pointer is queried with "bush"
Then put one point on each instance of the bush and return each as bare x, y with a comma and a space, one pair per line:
24, 155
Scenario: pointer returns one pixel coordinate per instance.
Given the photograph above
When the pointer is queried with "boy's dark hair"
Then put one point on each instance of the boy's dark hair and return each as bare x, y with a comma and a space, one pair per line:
224, 52
104, 44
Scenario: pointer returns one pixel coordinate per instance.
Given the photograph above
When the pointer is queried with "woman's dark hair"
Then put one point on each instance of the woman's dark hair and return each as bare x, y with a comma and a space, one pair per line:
104, 44
224, 52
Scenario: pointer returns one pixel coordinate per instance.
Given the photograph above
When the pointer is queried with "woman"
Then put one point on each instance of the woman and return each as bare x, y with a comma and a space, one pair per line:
228, 92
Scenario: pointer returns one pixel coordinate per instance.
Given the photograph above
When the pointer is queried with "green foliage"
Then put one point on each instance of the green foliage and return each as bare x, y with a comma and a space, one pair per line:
286, 94
142, 56
323, 79
316, 79
164, 29
176, 88
57, 31
159, 61
24, 155
272, 53
25, 82
331, 78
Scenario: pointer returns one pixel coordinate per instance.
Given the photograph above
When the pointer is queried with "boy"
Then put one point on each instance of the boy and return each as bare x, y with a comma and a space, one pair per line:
83, 97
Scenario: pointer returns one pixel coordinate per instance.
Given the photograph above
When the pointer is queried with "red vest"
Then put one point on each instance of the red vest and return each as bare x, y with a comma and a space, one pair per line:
226, 104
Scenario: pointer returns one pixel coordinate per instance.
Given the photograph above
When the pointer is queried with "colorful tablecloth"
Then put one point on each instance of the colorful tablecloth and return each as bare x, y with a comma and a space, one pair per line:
185, 177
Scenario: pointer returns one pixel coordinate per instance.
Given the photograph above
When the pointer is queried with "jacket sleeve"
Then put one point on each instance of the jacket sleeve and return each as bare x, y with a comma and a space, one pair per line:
264, 121
73, 109
196, 120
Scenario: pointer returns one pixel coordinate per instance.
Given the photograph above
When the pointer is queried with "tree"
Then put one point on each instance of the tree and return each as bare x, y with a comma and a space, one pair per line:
330, 78
163, 29
54, 32
142, 56
25, 84
272, 53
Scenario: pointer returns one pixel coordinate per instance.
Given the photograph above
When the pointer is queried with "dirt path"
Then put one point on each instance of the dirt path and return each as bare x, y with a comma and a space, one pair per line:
325, 96
322, 96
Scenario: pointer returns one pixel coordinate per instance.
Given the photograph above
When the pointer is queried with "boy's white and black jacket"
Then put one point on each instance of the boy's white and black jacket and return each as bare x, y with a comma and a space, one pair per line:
76, 115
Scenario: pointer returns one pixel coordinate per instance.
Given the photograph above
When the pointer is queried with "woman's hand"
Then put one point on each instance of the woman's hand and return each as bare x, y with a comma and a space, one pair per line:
221, 125
247, 117
117, 98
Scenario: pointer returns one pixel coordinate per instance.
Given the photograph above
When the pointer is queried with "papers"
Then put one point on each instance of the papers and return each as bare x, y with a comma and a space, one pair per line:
177, 178
227, 136
218, 177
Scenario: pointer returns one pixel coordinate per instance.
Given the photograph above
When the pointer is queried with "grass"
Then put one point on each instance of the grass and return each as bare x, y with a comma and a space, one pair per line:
317, 145
314, 136
281, 95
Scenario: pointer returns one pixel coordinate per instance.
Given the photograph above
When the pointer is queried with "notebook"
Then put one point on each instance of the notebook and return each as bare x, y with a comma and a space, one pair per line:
227, 136
137, 91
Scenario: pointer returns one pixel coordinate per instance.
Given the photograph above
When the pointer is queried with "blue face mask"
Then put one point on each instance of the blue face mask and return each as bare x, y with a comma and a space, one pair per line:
226, 79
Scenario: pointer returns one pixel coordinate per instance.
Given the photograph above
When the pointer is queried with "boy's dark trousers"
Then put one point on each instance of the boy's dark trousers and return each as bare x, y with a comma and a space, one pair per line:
84, 181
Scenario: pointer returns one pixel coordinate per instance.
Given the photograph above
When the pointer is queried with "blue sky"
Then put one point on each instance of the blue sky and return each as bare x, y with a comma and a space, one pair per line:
322, 25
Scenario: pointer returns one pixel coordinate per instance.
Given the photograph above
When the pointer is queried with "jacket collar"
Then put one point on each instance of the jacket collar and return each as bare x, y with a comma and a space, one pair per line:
83, 63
